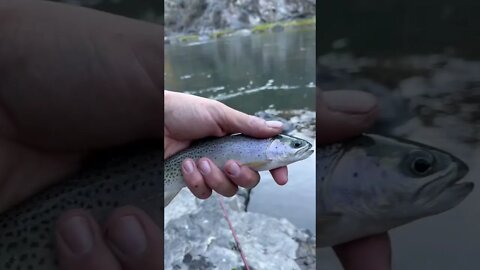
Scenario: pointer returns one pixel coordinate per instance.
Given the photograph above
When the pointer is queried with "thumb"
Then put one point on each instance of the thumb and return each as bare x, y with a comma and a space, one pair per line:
233, 121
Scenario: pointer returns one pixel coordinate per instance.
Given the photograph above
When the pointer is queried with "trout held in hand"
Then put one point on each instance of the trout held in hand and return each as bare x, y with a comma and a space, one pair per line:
258, 154
125, 176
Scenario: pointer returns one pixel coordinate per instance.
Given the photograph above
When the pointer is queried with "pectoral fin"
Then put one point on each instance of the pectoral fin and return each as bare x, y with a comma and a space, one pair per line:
256, 165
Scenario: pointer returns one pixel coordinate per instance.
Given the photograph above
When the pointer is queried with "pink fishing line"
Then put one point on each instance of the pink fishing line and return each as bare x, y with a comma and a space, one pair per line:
225, 214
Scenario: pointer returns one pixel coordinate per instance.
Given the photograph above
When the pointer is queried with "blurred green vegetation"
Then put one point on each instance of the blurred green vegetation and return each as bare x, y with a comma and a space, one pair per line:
293, 23
258, 29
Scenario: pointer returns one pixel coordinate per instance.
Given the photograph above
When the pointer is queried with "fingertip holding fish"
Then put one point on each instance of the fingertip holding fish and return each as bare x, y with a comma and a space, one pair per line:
274, 124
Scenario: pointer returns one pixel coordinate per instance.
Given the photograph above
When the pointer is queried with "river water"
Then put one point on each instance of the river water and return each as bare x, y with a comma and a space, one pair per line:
273, 72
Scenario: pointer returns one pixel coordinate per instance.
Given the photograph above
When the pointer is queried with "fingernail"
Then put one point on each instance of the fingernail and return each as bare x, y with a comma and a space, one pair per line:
188, 166
349, 101
77, 234
274, 124
233, 169
204, 167
128, 236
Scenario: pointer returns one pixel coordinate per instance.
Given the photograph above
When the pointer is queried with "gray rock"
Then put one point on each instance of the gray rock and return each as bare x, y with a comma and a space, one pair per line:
197, 236
199, 16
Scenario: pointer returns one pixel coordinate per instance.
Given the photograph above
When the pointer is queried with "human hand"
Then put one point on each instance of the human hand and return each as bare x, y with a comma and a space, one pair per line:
71, 90
340, 115
188, 118
73, 81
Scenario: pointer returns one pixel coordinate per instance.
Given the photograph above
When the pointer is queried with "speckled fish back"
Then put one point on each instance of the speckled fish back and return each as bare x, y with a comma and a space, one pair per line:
130, 176
219, 150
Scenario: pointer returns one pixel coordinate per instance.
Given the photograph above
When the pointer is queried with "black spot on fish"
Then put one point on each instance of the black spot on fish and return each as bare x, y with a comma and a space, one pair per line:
23, 257
355, 174
11, 246
49, 246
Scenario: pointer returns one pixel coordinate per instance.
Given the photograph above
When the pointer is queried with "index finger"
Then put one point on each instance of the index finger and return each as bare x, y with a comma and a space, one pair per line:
280, 175
233, 121
373, 252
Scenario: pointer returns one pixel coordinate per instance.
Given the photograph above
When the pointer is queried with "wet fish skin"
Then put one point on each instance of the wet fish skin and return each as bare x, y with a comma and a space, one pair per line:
131, 175
259, 154
128, 176
371, 184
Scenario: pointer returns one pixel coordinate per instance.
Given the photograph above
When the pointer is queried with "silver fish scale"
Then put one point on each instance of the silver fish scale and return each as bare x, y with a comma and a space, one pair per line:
328, 150
218, 150
211, 149
132, 176
326, 155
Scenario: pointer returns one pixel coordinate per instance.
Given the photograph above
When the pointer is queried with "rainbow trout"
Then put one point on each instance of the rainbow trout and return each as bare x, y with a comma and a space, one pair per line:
258, 154
127, 176
371, 184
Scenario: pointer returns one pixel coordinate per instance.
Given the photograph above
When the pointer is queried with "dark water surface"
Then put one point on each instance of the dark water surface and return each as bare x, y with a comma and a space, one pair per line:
274, 71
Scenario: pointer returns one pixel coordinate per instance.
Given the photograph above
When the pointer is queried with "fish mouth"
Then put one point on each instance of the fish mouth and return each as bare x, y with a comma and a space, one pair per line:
461, 169
304, 152
448, 191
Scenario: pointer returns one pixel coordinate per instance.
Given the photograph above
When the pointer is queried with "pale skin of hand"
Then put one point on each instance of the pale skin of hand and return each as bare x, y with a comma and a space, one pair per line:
85, 69
188, 118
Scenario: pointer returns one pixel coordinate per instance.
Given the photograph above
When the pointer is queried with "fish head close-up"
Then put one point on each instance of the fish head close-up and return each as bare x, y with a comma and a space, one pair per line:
379, 183
285, 149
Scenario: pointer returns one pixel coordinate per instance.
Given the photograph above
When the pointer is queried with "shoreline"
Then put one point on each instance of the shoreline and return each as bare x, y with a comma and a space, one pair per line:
218, 34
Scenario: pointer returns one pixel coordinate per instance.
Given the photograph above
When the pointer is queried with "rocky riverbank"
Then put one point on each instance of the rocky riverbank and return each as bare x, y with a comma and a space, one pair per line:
202, 20
197, 236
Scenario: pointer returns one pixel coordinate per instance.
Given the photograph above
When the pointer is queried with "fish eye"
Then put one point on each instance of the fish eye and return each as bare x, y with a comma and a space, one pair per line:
421, 162
421, 166
296, 144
